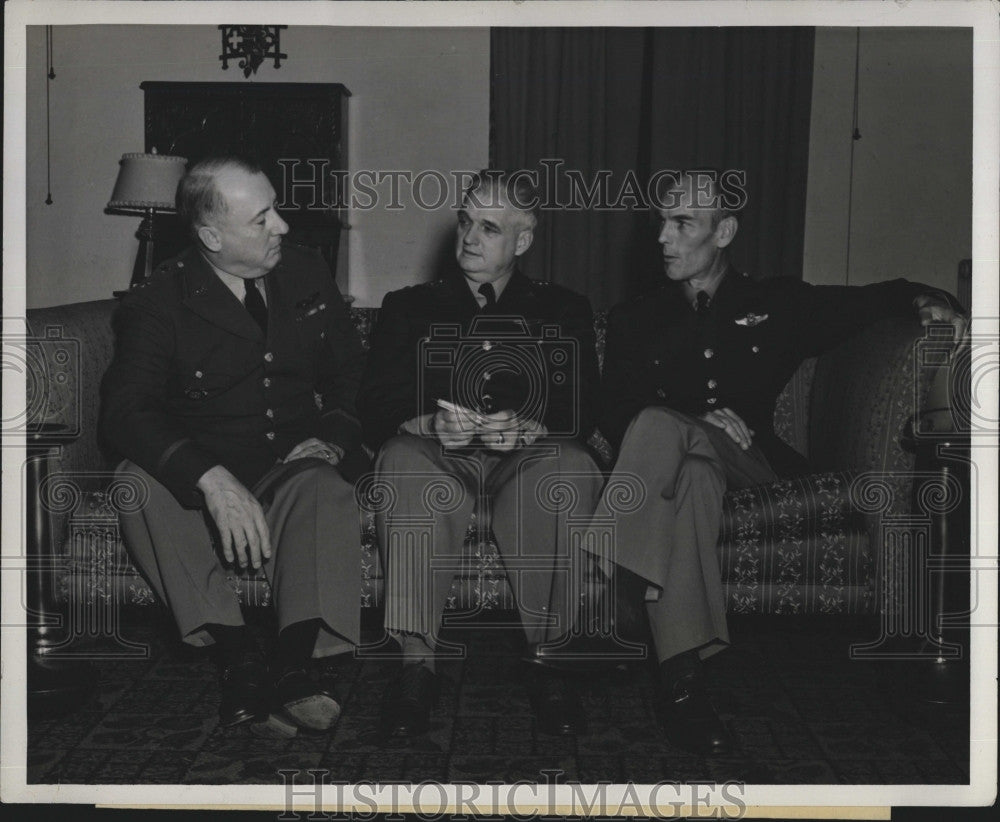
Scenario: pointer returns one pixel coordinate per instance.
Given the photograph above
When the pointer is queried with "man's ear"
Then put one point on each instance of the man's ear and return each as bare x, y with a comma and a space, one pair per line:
524, 239
725, 231
209, 238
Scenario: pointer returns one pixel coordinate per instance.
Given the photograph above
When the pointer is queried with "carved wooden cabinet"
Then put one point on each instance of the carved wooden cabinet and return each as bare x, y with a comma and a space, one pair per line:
297, 132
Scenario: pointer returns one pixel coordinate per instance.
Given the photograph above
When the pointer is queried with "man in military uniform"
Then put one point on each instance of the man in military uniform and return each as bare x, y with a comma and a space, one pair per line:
479, 393
691, 375
231, 396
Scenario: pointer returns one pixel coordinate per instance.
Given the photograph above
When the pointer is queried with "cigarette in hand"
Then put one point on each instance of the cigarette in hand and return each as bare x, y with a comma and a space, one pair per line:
461, 411
457, 409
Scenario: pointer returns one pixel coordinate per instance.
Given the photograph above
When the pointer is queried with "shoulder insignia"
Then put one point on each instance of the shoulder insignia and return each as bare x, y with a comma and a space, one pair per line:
407, 290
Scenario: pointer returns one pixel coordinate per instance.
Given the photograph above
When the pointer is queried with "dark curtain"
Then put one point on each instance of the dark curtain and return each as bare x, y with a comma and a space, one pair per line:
641, 100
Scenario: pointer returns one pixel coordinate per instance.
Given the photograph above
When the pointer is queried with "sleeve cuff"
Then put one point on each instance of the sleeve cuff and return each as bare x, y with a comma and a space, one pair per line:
940, 295
180, 468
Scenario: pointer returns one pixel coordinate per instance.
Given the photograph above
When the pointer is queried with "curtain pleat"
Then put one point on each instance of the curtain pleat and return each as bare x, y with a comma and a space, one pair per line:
632, 101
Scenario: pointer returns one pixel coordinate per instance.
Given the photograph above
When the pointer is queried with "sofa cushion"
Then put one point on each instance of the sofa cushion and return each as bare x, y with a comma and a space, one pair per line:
94, 566
789, 547
796, 545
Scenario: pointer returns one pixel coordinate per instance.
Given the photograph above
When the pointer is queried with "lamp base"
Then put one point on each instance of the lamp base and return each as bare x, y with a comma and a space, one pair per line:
143, 268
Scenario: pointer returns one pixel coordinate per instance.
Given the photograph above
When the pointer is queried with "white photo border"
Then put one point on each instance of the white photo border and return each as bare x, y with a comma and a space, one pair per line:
872, 800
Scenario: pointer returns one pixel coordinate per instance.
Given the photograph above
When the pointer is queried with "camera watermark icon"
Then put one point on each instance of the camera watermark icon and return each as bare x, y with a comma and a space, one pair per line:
50, 364
504, 363
960, 381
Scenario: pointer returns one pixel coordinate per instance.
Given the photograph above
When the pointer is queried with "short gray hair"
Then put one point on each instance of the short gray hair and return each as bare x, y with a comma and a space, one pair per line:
518, 190
691, 181
199, 198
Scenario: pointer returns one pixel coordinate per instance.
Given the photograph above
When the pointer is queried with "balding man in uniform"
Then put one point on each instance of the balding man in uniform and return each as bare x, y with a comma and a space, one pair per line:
231, 396
479, 394
691, 375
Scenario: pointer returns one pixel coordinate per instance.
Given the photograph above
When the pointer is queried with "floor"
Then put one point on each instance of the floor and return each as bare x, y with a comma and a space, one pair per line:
800, 709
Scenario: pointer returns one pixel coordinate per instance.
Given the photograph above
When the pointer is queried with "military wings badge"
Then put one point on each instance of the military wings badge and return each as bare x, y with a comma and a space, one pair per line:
751, 319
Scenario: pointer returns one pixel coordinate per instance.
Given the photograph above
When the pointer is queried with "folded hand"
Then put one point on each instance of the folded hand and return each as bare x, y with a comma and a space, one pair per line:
732, 424
238, 516
313, 447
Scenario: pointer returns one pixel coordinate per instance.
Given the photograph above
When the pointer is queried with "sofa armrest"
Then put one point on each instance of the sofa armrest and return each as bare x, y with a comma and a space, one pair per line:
864, 394
69, 382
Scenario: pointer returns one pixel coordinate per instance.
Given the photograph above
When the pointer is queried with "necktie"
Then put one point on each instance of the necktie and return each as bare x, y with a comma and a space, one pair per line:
702, 299
486, 289
254, 303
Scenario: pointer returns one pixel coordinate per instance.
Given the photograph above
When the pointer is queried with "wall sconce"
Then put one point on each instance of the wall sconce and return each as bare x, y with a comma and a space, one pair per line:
251, 45
146, 183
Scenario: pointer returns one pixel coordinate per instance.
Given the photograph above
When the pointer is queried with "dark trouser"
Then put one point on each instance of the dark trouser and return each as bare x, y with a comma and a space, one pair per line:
683, 466
314, 570
534, 496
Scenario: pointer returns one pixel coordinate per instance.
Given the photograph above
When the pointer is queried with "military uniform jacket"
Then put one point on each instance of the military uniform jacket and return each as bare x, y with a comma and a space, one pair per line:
195, 383
533, 353
738, 354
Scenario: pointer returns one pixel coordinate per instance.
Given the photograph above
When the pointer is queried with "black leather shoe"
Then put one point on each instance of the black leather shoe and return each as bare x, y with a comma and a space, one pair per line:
406, 710
621, 604
689, 720
613, 630
556, 703
245, 690
583, 653
298, 703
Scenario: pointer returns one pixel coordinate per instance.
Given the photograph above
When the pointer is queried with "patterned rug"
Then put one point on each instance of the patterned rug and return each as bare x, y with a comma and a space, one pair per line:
801, 710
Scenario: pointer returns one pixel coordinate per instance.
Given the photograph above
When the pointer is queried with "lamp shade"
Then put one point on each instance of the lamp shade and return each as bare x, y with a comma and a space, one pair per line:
147, 181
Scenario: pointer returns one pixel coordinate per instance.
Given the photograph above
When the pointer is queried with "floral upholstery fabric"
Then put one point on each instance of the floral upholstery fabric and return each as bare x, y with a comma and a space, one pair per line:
803, 545
791, 411
794, 546
879, 395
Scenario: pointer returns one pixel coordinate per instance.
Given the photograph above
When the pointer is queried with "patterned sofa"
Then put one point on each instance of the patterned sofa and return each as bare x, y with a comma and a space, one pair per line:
812, 544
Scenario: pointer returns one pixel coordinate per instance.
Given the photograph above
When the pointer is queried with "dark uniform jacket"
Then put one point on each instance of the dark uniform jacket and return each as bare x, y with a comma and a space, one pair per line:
195, 383
738, 354
533, 353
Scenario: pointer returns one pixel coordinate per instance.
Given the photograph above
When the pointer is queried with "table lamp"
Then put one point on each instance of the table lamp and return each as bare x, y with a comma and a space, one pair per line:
146, 183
